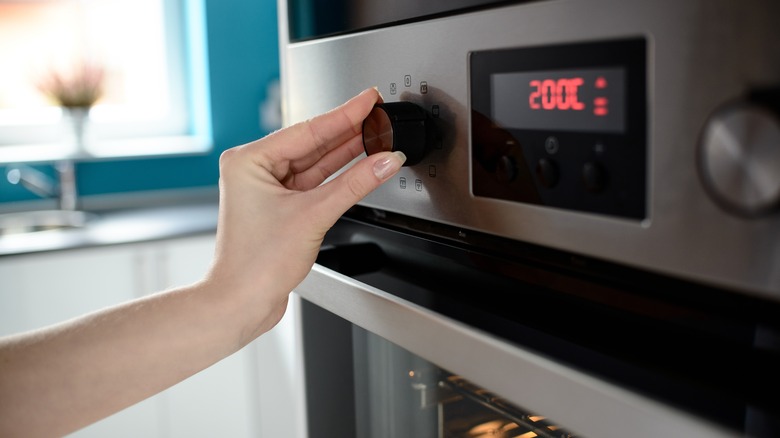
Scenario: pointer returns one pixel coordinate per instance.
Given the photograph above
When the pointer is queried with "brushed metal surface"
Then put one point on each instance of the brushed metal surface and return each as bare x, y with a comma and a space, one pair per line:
701, 54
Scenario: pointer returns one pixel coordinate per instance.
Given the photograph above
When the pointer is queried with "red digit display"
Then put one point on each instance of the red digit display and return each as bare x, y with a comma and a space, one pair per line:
549, 98
559, 94
572, 86
575, 99
566, 90
536, 92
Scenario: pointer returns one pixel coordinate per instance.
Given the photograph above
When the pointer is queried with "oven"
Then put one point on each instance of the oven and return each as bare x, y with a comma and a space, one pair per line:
586, 242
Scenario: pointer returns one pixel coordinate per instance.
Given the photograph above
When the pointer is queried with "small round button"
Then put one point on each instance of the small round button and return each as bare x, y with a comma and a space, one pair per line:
594, 176
551, 145
506, 169
399, 126
547, 172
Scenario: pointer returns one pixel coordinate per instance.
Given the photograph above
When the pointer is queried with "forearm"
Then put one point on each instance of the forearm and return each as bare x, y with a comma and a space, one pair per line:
64, 377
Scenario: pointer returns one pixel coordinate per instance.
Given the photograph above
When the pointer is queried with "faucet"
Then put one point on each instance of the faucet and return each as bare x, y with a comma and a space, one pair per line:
63, 189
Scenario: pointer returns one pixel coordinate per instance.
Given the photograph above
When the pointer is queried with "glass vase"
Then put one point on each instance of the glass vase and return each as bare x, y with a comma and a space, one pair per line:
77, 128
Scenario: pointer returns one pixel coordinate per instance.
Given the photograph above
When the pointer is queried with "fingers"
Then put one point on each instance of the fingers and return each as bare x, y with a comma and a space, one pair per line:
325, 129
305, 179
355, 183
308, 141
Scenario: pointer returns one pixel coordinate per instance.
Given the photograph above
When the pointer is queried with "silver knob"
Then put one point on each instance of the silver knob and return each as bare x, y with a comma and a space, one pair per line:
739, 159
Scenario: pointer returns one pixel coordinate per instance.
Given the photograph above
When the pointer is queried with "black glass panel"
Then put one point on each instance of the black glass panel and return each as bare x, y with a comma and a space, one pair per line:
310, 19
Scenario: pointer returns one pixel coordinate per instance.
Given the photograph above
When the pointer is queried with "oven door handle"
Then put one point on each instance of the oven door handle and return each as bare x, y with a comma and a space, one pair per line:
579, 401
353, 259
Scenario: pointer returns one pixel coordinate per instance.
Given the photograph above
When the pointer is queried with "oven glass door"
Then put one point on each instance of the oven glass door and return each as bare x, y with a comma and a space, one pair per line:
362, 385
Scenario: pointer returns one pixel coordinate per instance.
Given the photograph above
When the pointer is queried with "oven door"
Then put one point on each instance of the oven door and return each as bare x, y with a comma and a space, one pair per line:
412, 329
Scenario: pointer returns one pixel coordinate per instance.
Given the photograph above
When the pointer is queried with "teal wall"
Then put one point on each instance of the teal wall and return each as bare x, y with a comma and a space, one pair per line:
243, 57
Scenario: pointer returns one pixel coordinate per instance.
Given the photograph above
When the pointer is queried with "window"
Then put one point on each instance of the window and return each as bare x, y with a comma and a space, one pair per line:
150, 57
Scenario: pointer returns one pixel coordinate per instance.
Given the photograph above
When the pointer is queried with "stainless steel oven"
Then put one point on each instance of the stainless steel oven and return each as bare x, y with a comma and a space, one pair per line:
587, 242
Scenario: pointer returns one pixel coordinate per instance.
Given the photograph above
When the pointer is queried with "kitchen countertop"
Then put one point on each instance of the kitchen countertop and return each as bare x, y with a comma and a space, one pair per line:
117, 227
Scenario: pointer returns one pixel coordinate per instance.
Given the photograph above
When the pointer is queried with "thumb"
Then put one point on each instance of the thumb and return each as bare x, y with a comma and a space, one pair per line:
355, 183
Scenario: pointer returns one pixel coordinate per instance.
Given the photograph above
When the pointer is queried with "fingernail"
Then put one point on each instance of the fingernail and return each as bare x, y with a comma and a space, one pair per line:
375, 88
382, 98
389, 165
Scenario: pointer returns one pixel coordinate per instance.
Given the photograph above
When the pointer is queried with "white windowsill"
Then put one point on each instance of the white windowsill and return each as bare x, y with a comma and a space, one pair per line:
146, 147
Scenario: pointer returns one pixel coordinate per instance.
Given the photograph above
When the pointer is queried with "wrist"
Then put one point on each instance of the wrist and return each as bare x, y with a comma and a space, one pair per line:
248, 305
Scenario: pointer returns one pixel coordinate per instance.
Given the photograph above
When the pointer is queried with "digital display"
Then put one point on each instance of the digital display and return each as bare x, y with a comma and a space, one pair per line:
562, 125
585, 100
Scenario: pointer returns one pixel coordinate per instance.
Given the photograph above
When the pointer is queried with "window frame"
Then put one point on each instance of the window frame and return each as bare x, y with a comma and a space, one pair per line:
187, 132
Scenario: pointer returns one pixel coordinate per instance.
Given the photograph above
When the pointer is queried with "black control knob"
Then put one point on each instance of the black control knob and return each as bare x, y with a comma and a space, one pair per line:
399, 126
739, 159
547, 172
594, 176
506, 169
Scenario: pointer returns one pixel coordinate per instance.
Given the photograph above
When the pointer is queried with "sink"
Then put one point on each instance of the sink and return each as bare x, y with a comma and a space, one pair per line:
43, 220
53, 230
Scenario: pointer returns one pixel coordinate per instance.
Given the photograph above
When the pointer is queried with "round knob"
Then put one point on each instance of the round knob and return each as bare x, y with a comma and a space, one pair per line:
739, 159
547, 172
594, 177
399, 126
506, 169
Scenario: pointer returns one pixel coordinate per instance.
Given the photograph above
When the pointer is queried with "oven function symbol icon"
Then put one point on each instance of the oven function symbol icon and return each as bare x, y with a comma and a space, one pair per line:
551, 145
408, 80
393, 88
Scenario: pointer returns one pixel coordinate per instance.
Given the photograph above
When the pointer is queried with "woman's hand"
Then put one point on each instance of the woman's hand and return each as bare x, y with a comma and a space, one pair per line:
274, 212
274, 209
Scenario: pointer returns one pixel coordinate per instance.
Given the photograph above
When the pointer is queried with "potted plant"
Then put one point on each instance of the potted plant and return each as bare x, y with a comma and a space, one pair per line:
76, 91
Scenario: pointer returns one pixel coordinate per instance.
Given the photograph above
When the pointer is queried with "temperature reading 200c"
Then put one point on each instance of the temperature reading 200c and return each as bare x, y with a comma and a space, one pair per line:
586, 100
562, 94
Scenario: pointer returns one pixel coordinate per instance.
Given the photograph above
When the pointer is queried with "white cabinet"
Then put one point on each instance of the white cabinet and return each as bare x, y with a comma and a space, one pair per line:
38, 290
220, 400
41, 289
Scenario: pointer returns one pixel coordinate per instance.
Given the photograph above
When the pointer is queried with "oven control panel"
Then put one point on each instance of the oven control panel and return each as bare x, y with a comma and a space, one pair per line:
562, 126
646, 137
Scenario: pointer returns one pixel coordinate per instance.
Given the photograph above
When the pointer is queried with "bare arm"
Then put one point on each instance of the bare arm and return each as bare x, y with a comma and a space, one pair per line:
274, 212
